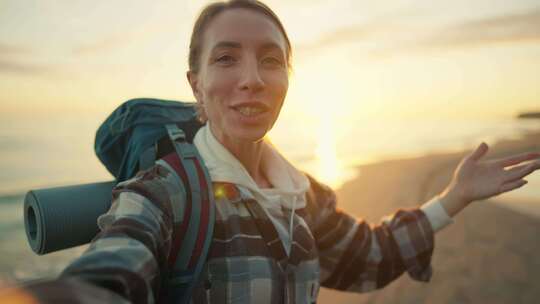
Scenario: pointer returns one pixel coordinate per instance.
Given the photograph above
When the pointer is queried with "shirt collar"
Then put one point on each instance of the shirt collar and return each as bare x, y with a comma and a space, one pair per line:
290, 185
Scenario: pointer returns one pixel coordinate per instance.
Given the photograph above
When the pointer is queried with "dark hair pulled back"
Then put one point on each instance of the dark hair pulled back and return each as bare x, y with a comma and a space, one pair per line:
212, 10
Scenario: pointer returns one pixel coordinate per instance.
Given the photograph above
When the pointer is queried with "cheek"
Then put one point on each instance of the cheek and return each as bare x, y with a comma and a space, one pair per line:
282, 81
285, 86
217, 91
281, 85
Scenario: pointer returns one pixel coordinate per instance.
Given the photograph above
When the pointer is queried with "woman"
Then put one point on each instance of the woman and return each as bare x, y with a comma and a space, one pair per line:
278, 233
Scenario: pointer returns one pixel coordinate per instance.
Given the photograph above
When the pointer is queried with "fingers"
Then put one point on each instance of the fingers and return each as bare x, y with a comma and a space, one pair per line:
478, 152
521, 171
512, 185
516, 159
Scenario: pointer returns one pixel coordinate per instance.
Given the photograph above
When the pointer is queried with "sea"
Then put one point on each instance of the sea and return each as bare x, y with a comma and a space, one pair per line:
49, 152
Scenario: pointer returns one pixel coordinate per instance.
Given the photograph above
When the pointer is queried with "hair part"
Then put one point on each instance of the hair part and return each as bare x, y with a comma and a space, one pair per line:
212, 10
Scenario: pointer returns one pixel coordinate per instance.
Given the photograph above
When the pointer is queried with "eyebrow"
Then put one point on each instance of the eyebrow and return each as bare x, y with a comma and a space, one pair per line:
237, 45
227, 44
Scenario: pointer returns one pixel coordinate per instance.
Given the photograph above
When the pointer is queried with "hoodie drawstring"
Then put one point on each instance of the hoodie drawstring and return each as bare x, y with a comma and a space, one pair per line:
291, 225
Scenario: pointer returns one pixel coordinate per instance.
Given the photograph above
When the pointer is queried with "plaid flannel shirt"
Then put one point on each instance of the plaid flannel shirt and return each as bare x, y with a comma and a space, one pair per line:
247, 262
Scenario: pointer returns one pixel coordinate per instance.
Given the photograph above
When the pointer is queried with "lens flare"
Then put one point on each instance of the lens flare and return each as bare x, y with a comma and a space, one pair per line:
16, 295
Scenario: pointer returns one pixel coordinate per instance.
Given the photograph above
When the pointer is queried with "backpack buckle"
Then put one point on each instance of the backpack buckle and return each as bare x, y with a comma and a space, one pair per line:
175, 133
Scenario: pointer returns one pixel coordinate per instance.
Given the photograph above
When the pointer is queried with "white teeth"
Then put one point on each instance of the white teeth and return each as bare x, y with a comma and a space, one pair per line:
250, 111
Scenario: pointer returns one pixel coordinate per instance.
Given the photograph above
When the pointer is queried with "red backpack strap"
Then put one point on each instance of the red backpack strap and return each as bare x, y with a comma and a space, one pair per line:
192, 234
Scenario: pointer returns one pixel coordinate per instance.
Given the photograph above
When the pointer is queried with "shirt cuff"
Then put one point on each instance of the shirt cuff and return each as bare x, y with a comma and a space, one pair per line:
436, 214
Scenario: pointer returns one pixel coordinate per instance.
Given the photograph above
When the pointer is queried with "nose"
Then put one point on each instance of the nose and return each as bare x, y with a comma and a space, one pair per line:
251, 79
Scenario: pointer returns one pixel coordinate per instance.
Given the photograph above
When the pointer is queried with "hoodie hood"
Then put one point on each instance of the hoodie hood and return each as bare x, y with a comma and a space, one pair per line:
289, 184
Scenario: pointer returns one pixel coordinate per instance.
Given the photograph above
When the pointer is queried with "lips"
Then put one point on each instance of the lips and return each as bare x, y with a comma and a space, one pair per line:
251, 109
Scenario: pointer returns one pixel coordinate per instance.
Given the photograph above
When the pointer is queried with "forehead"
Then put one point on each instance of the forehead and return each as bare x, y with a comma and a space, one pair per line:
245, 26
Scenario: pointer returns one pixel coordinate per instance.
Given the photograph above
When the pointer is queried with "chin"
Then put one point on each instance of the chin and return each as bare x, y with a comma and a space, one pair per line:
250, 133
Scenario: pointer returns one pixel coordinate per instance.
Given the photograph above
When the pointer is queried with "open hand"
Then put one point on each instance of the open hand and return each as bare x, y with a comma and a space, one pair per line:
475, 179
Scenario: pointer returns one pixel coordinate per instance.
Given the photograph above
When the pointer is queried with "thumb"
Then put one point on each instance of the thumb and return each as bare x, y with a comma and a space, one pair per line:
479, 152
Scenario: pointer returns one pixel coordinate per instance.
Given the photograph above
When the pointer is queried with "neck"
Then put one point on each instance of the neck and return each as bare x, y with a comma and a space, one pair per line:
248, 153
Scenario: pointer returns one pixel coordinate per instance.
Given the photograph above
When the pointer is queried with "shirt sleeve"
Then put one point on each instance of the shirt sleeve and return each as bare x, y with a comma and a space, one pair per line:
437, 216
129, 256
356, 256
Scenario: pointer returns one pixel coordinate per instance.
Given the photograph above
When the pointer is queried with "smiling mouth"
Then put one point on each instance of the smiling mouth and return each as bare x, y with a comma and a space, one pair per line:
250, 111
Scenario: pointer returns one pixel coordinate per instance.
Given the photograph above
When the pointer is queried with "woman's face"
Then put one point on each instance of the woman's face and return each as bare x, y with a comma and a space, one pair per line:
243, 75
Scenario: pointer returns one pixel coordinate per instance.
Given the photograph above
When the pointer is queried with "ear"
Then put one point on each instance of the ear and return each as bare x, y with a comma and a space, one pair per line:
194, 82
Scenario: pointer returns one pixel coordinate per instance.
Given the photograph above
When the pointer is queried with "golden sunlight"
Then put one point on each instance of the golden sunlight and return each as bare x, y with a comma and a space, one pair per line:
326, 109
328, 165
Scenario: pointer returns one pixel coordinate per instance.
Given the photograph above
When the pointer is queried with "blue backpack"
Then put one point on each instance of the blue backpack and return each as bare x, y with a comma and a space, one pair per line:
132, 138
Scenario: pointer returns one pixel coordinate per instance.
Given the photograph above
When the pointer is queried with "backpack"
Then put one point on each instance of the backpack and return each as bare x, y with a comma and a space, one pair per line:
132, 138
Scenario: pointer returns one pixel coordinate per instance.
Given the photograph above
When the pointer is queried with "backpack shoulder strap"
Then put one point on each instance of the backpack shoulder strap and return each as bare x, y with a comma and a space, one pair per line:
192, 235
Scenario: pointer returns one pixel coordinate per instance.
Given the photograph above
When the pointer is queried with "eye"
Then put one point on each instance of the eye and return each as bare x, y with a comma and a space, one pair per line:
272, 61
225, 60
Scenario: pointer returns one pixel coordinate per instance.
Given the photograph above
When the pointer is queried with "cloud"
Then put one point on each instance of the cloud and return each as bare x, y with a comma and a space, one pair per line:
511, 28
14, 67
373, 29
10, 50
111, 42
389, 37
122, 38
341, 35
12, 61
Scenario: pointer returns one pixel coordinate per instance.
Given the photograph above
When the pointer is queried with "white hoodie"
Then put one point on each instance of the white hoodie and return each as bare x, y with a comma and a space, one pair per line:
289, 184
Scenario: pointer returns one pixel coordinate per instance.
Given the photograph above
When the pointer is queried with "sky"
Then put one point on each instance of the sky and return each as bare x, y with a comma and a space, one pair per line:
356, 63
395, 59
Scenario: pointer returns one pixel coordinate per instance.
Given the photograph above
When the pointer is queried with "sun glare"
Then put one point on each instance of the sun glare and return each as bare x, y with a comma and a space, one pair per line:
328, 164
323, 99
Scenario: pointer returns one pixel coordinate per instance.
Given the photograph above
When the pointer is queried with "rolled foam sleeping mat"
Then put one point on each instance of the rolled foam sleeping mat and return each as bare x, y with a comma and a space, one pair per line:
64, 217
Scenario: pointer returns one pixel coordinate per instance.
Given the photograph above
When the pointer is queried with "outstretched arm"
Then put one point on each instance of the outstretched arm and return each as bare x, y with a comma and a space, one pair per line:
475, 179
356, 256
127, 261
129, 256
